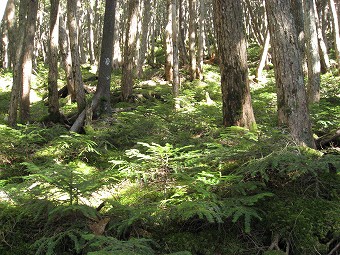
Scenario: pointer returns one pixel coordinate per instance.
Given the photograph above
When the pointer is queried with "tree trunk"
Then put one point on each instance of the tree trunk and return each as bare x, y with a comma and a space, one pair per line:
263, 57
101, 100
72, 21
8, 34
312, 52
192, 39
231, 40
144, 37
292, 100
2, 10
117, 52
201, 41
181, 35
16, 88
80, 32
175, 81
297, 11
168, 43
324, 58
53, 98
66, 59
105, 66
90, 31
128, 71
27, 60
335, 32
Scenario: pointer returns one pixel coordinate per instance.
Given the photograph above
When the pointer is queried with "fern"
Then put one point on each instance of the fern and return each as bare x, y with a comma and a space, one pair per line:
56, 243
74, 179
66, 211
204, 210
99, 245
291, 163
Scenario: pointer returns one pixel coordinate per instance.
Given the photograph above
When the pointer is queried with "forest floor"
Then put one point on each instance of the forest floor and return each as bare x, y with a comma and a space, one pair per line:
151, 180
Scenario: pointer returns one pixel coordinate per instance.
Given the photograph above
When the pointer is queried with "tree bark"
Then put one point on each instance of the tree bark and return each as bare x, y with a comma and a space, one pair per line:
192, 39
312, 52
80, 32
201, 40
53, 98
101, 98
27, 60
105, 66
323, 52
297, 11
117, 53
263, 57
90, 31
168, 43
292, 100
181, 35
72, 22
65, 51
16, 87
8, 34
144, 37
336, 32
175, 81
231, 40
128, 71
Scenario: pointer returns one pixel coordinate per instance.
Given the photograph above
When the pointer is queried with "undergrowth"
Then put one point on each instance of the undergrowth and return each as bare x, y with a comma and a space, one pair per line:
156, 181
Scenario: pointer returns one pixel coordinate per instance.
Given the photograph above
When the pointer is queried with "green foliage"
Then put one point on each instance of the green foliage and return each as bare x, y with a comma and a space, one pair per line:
292, 164
75, 180
100, 245
274, 253
170, 182
69, 147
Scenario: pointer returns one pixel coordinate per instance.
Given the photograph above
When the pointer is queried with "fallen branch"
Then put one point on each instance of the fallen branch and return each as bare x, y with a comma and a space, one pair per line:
332, 138
336, 248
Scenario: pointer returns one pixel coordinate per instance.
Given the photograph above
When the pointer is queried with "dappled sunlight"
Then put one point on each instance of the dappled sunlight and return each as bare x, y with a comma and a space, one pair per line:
153, 169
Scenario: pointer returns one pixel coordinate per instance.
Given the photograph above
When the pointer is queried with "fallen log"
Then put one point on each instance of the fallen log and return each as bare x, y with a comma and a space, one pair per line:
331, 139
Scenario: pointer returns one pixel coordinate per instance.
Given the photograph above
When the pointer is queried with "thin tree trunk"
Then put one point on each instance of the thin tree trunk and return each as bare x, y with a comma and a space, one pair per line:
175, 81
335, 32
231, 39
117, 52
72, 21
255, 26
144, 36
96, 30
66, 59
8, 34
263, 57
292, 100
53, 99
192, 39
90, 31
201, 40
151, 57
168, 43
2, 9
80, 16
128, 71
324, 58
181, 36
312, 52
